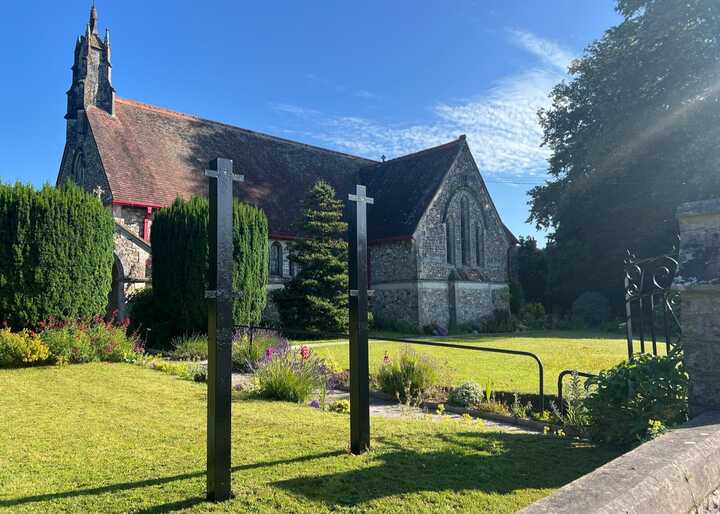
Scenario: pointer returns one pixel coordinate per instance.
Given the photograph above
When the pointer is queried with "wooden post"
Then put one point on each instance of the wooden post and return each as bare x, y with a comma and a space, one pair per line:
358, 302
220, 327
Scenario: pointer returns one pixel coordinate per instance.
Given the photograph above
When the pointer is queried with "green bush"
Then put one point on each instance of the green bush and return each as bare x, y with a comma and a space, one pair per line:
180, 264
21, 349
290, 375
147, 321
467, 394
340, 406
410, 377
56, 255
74, 343
500, 321
632, 394
190, 348
591, 309
533, 316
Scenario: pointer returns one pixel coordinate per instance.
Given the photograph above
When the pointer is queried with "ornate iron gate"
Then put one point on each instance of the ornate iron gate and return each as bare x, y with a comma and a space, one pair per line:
651, 305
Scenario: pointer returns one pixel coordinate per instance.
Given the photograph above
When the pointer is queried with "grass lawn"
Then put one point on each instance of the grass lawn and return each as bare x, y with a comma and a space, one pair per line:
121, 438
590, 352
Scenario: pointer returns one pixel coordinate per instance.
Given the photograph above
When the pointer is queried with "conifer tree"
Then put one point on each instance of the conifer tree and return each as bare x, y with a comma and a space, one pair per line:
315, 300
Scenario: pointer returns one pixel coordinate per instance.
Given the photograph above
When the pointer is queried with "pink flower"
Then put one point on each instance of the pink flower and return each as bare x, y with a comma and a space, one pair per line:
386, 359
269, 352
305, 352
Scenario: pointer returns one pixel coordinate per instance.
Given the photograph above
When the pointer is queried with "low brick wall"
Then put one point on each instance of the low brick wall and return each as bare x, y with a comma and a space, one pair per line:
678, 472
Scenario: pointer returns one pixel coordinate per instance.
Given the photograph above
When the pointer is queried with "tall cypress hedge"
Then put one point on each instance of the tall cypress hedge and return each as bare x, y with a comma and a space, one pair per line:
56, 254
179, 240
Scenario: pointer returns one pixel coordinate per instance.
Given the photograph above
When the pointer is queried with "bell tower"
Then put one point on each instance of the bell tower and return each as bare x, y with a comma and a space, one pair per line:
91, 73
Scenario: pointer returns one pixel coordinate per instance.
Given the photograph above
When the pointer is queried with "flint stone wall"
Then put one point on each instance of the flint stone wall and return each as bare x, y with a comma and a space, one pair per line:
699, 284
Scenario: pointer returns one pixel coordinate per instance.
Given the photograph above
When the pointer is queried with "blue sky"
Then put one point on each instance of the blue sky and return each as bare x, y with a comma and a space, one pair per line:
371, 78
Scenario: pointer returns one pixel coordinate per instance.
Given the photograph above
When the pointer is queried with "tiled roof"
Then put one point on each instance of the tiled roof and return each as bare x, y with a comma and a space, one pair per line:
404, 187
153, 155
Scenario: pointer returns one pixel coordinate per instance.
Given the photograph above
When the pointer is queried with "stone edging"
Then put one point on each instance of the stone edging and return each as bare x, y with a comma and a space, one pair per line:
675, 473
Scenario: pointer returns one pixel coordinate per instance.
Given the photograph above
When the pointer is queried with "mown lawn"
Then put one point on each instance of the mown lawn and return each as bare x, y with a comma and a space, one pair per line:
120, 438
584, 351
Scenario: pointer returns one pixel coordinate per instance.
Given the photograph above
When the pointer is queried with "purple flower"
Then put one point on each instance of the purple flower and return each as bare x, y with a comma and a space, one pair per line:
315, 404
269, 352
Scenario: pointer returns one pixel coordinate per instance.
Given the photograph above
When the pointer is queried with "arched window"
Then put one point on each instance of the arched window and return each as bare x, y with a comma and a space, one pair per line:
465, 230
479, 246
78, 168
450, 241
276, 259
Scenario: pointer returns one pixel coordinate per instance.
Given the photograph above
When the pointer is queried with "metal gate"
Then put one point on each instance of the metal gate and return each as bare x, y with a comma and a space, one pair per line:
651, 305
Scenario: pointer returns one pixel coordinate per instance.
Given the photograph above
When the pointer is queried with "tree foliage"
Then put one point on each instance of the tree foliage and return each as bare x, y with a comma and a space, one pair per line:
56, 254
532, 270
633, 135
179, 240
315, 299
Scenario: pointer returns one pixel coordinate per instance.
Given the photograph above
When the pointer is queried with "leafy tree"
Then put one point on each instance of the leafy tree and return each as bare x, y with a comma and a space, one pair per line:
180, 264
633, 135
315, 299
532, 270
56, 254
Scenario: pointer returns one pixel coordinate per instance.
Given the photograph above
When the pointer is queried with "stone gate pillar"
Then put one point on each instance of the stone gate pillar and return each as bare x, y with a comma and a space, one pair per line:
699, 283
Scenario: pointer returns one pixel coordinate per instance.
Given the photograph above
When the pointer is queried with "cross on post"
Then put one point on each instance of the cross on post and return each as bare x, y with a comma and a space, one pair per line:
220, 298
99, 192
358, 302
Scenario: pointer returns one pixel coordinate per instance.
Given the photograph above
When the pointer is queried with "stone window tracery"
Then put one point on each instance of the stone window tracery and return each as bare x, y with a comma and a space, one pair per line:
450, 241
78, 169
465, 230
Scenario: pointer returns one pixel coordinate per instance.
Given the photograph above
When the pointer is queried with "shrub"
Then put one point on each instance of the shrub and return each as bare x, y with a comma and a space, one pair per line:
190, 348
180, 264
73, 342
500, 321
56, 254
632, 394
289, 375
69, 344
249, 349
533, 316
21, 349
410, 377
467, 394
591, 309
147, 321
340, 406
575, 418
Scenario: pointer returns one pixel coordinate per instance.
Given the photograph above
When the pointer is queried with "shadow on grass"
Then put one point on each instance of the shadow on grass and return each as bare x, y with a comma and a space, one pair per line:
112, 488
494, 463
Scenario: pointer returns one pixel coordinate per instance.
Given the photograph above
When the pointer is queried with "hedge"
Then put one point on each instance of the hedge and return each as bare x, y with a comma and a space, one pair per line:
56, 254
179, 240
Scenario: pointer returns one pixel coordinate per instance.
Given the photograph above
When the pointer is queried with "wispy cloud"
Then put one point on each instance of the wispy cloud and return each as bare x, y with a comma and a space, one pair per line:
339, 88
549, 52
500, 123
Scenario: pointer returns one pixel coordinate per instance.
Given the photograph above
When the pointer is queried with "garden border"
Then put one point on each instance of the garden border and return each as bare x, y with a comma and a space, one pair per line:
677, 472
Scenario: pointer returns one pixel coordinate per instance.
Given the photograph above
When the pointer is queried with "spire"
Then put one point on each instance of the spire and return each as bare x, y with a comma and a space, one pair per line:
93, 18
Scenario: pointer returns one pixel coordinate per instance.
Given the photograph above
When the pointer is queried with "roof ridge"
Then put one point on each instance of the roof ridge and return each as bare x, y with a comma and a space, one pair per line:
424, 150
192, 117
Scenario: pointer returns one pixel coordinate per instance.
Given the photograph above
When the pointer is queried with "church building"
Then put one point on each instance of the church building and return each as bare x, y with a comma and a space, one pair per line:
439, 252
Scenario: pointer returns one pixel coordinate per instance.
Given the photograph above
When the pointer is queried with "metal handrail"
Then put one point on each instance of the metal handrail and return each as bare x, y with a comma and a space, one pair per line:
563, 374
441, 344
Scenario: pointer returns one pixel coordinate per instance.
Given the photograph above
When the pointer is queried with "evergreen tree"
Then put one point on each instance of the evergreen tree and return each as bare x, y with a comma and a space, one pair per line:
316, 299
180, 264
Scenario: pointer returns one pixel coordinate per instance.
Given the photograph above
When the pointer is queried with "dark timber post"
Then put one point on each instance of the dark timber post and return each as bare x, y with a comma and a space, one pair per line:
359, 364
220, 326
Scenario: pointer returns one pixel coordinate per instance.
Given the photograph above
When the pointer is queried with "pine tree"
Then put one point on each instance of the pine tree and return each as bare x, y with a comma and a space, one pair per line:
315, 300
